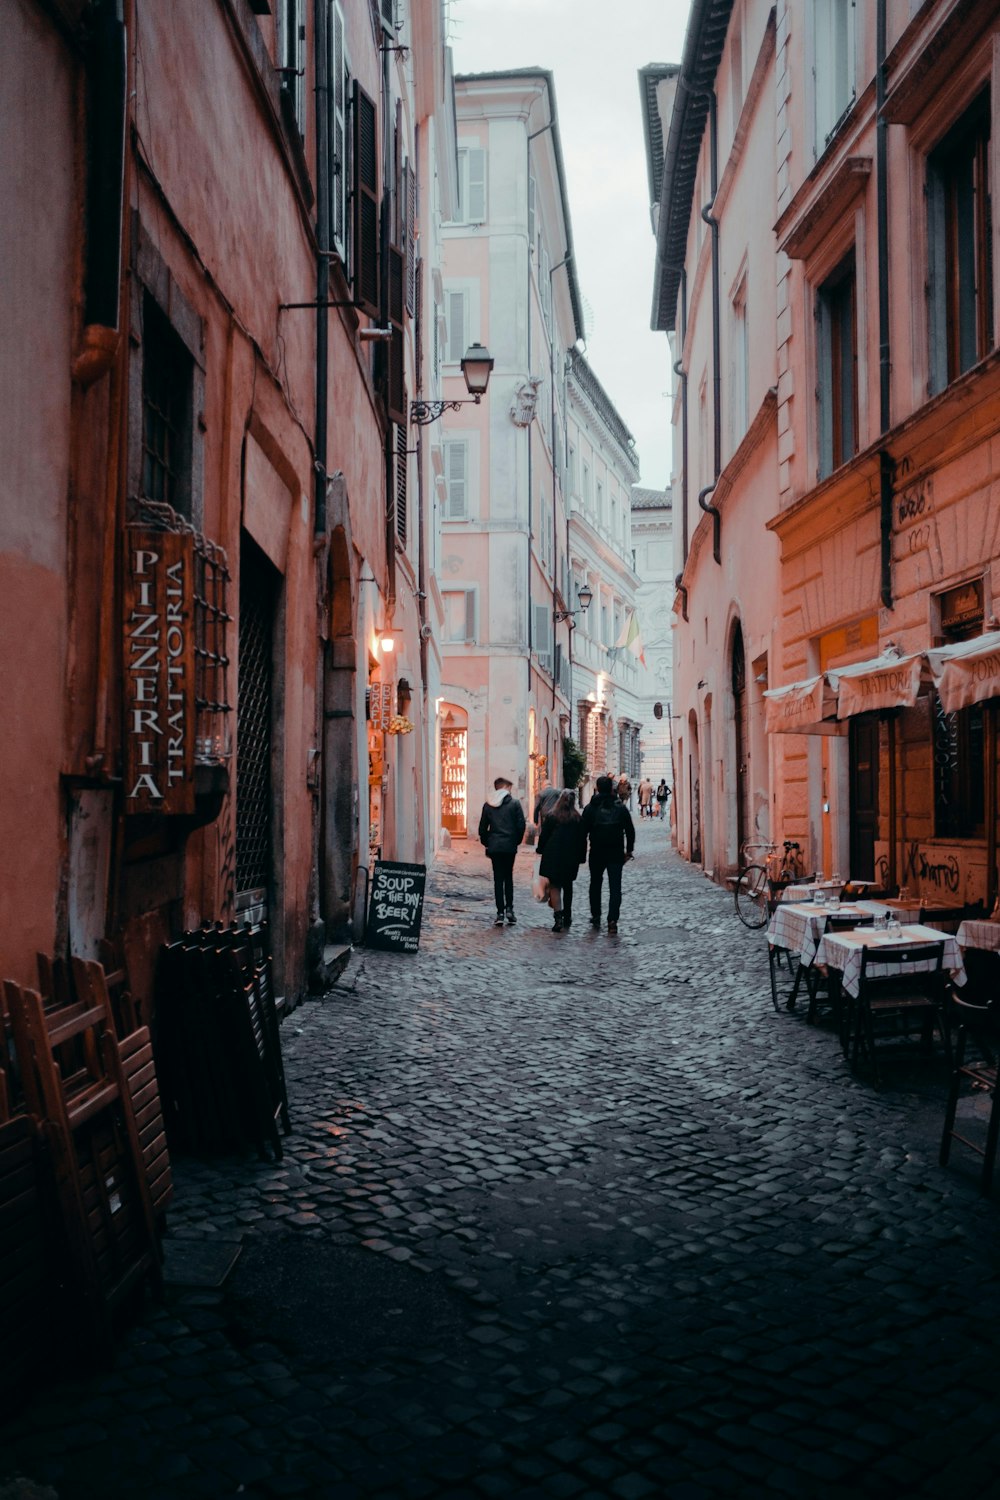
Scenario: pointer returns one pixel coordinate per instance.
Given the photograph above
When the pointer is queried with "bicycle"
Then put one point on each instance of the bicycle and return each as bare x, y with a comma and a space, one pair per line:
756, 882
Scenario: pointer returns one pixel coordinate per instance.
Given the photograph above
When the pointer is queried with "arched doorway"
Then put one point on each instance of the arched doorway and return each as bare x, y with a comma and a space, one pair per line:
741, 737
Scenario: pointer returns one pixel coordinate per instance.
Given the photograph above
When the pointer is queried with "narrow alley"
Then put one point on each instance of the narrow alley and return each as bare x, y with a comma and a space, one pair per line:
568, 1216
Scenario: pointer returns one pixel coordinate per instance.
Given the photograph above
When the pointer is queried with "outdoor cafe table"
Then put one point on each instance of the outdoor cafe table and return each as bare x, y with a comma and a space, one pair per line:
798, 926
842, 951
803, 890
983, 934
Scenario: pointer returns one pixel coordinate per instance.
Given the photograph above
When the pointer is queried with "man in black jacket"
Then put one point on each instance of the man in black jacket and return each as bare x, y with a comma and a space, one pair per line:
608, 824
501, 829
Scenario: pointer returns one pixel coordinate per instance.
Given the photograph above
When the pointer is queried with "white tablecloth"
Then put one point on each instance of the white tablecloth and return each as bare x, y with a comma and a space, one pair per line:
982, 934
804, 890
798, 926
842, 950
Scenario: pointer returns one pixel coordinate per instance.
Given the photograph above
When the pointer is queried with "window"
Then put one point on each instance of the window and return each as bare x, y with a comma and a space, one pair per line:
572, 471
339, 94
459, 616
292, 58
837, 368
543, 635
739, 366
166, 411
958, 738
456, 478
960, 283
457, 323
471, 185
834, 65
600, 502
365, 209
586, 485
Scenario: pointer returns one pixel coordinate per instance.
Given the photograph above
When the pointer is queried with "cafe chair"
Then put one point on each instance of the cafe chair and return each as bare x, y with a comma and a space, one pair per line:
980, 1025
780, 999
900, 987
824, 989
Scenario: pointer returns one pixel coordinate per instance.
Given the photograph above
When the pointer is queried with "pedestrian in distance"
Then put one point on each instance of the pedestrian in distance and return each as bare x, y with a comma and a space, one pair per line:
501, 829
562, 845
608, 825
545, 802
662, 797
645, 798
624, 789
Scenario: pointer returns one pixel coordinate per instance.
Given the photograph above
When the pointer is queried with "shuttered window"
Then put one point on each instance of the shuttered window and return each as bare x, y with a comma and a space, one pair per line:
471, 185
402, 474
459, 616
543, 635
292, 53
457, 318
456, 476
396, 384
364, 122
338, 130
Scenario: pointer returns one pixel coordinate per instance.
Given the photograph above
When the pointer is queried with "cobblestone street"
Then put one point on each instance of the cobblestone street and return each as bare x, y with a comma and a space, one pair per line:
571, 1216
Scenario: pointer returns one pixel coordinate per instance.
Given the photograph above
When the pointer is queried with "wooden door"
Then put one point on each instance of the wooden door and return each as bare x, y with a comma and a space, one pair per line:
863, 744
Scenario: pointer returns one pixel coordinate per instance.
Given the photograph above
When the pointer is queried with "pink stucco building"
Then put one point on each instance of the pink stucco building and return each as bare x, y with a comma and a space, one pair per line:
826, 270
210, 280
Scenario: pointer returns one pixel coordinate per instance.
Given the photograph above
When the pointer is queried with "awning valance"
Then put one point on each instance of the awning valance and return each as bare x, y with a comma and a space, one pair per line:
883, 682
808, 707
967, 672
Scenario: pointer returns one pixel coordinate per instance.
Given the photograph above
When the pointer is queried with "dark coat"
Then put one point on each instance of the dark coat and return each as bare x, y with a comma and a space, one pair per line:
501, 828
563, 847
608, 824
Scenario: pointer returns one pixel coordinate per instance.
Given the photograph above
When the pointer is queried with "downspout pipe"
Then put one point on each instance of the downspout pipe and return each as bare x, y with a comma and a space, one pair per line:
713, 225
887, 468
681, 373
552, 448
321, 62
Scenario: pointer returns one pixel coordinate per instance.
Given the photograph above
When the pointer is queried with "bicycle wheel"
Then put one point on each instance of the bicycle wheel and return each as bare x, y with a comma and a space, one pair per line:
750, 895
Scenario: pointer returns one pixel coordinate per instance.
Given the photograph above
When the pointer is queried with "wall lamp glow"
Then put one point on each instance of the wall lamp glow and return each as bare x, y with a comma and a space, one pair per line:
477, 364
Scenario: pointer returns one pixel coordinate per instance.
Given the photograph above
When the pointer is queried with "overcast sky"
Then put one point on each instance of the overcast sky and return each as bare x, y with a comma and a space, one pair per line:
594, 51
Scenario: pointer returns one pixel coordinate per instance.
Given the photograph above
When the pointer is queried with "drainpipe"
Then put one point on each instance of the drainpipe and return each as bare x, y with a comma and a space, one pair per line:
713, 224
555, 516
886, 465
681, 373
321, 65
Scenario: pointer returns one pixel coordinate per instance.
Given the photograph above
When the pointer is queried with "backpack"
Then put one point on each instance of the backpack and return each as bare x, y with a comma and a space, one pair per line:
607, 816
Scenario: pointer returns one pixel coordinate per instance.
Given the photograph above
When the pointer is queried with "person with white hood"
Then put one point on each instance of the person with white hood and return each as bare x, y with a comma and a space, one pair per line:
501, 829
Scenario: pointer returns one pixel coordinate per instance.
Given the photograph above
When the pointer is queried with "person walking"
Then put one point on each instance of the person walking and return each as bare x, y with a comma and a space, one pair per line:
562, 845
501, 829
624, 788
608, 825
645, 798
662, 797
547, 798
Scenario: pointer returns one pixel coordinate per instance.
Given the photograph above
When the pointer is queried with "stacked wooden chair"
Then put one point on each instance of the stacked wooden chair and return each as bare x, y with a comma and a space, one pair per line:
218, 1044
87, 1102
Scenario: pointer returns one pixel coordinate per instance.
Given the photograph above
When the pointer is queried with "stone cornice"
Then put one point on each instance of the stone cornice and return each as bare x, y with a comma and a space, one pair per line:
812, 213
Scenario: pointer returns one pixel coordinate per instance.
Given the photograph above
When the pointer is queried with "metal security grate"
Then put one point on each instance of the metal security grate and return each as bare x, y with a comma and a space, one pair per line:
253, 723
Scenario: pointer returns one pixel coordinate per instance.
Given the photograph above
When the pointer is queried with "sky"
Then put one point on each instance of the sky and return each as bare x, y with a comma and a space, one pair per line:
594, 52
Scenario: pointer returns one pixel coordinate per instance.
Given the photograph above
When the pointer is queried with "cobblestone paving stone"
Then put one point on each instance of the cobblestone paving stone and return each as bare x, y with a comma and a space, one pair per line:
574, 1216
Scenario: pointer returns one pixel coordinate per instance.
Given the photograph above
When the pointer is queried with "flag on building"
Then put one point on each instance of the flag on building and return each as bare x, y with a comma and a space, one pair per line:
630, 639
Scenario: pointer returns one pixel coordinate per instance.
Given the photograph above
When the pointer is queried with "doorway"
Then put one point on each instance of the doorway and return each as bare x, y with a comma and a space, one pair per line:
254, 724
863, 791
741, 735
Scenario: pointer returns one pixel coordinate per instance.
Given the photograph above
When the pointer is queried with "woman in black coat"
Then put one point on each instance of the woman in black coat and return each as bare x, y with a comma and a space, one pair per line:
562, 845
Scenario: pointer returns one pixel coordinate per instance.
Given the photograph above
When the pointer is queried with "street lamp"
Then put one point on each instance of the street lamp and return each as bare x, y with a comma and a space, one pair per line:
476, 366
584, 596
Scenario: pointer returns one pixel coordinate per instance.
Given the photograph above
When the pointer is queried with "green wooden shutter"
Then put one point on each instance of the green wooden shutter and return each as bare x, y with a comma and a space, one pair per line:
365, 236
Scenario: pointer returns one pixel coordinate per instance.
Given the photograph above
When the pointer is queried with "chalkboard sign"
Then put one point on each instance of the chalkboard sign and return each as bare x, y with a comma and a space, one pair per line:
396, 906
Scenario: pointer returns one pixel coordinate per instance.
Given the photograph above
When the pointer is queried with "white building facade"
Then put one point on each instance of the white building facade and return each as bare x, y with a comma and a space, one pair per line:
601, 468
517, 537
652, 550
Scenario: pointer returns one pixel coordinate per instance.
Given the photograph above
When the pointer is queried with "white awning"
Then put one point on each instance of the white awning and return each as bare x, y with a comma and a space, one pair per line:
808, 707
967, 672
883, 682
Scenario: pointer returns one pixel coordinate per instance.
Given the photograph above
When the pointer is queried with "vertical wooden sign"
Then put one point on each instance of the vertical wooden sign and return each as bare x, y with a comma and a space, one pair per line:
158, 694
